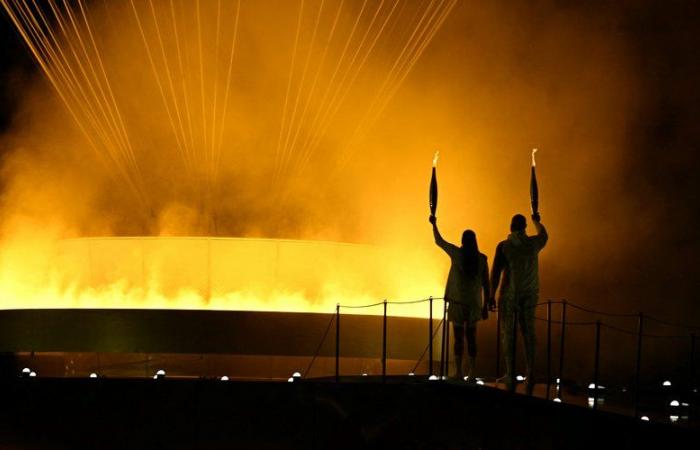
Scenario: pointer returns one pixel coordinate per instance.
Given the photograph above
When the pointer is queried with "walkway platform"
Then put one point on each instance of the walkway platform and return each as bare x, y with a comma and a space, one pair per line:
357, 413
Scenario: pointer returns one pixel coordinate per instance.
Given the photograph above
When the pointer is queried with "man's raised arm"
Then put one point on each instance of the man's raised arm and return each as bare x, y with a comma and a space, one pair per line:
542, 236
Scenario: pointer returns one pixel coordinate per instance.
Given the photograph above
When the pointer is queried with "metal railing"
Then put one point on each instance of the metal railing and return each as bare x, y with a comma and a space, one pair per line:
598, 326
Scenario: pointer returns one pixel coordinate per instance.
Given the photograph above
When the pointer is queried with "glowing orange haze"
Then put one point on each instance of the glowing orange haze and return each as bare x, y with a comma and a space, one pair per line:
311, 135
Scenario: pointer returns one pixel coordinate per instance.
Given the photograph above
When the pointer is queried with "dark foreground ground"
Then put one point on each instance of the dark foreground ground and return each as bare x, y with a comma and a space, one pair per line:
404, 413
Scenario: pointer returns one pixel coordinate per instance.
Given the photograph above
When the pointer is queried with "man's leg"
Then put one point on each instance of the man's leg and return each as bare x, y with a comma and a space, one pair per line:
527, 327
507, 324
471, 349
458, 348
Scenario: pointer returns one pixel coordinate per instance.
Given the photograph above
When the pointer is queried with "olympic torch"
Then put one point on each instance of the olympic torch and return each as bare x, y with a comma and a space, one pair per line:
433, 187
534, 194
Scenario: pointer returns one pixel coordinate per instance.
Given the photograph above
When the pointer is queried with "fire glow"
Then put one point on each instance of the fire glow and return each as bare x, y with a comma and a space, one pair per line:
219, 274
297, 121
175, 101
197, 66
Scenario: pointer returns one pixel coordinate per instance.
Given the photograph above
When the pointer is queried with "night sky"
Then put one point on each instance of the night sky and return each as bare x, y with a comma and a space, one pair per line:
662, 159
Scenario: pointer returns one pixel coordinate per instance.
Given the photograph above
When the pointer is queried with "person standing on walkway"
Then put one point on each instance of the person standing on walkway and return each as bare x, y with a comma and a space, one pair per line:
517, 261
466, 291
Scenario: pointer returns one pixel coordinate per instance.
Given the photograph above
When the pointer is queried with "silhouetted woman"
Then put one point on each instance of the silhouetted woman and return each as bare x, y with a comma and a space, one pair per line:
467, 291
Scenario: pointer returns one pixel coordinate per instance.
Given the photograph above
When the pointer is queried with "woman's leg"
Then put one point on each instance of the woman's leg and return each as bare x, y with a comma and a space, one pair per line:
458, 347
471, 348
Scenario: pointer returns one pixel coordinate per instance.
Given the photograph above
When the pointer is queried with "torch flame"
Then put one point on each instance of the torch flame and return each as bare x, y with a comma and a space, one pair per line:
435, 158
534, 150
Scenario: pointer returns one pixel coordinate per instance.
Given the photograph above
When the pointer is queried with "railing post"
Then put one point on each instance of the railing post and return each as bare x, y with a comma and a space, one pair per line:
596, 365
513, 347
691, 385
442, 344
638, 367
447, 346
498, 343
430, 337
337, 342
692, 362
384, 345
549, 346
561, 348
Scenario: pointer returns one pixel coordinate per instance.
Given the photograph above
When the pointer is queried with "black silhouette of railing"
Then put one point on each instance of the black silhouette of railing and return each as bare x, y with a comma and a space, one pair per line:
598, 325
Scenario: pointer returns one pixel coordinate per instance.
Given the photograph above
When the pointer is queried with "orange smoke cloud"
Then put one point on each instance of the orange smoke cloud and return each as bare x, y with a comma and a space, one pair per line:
321, 129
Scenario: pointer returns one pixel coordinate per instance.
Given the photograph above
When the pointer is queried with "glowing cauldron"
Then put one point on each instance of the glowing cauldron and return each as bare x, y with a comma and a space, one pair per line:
231, 274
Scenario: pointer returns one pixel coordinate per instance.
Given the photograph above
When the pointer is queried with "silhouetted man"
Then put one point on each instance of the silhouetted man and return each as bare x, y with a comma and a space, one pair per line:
516, 258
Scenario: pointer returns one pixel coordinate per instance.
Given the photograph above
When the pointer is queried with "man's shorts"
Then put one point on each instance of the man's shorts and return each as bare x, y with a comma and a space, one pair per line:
524, 304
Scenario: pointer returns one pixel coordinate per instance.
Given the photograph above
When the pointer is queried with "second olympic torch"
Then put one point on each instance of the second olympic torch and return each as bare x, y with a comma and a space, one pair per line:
534, 193
433, 187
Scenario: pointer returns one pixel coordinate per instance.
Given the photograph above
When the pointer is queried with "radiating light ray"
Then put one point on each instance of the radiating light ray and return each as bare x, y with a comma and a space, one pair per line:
90, 96
100, 95
156, 76
46, 49
120, 119
321, 108
428, 33
391, 75
100, 99
68, 87
319, 90
314, 144
185, 90
216, 84
226, 93
201, 80
287, 152
278, 153
317, 75
424, 44
44, 64
182, 140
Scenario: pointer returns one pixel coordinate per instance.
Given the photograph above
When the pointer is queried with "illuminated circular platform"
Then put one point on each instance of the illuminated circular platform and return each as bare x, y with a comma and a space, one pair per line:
212, 306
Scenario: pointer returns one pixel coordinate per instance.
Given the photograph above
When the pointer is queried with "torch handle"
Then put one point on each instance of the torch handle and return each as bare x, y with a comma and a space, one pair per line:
534, 192
433, 193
